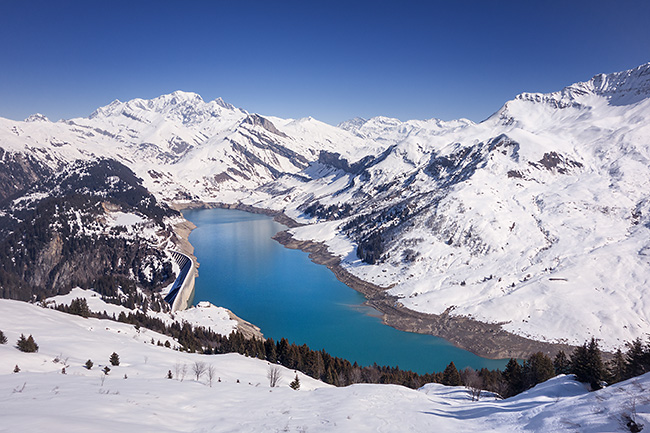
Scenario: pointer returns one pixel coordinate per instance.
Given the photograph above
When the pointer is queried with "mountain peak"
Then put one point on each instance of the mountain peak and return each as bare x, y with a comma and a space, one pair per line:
37, 117
619, 88
188, 107
178, 97
220, 102
353, 124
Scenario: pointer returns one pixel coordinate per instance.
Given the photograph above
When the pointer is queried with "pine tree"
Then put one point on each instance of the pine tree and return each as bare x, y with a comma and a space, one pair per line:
16, 369
587, 364
514, 377
27, 344
89, 364
451, 376
537, 369
114, 359
271, 352
617, 367
79, 307
295, 384
635, 358
3, 339
561, 363
596, 366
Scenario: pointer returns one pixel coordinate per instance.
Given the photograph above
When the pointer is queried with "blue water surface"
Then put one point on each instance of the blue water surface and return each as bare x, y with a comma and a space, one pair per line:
286, 295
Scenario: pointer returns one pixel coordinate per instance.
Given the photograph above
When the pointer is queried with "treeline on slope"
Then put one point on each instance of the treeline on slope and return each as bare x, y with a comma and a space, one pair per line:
54, 238
585, 361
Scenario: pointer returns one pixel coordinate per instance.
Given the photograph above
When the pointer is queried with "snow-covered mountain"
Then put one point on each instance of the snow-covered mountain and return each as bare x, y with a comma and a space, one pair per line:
537, 218
182, 146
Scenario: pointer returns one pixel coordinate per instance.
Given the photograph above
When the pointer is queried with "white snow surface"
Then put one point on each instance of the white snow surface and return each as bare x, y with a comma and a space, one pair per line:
137, 396
203, 314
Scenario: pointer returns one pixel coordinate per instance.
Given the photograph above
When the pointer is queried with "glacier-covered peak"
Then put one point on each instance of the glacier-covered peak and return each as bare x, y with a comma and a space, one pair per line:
186, 107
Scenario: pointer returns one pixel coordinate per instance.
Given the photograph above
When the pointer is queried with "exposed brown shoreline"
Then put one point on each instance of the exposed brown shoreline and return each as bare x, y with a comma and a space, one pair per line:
484, 339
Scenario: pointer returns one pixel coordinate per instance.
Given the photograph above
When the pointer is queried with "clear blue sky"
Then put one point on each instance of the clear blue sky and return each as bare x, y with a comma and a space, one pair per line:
332, 60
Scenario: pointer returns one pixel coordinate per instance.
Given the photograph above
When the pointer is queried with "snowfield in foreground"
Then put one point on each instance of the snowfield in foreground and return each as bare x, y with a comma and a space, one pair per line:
137, 396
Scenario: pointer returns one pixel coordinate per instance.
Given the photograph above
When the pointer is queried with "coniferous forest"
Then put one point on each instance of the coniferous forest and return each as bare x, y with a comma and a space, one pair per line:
586, 361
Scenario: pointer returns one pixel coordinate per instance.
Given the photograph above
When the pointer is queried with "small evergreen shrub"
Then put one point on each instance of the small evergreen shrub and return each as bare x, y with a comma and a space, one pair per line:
27, 344
89, 364
115, 359
295, 384
3, 339
16, 369
106, 369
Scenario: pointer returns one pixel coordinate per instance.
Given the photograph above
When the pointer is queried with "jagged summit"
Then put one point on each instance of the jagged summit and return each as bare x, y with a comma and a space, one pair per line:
615, 89
619, 88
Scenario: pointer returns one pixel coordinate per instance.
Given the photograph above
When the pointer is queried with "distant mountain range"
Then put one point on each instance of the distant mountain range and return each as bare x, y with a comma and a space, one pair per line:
537, 218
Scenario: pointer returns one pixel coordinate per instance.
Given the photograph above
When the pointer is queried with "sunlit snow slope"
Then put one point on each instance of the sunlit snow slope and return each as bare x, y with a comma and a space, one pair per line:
137, 396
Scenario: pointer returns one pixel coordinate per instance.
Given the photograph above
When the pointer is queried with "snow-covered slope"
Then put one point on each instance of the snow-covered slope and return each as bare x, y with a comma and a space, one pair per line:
137, 396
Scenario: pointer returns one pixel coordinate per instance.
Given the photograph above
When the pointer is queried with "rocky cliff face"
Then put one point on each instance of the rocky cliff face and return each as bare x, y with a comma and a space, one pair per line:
18, 171
90, 225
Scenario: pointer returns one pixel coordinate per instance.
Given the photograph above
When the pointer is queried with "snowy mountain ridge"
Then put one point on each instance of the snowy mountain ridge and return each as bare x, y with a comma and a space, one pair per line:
619, 88
536, 218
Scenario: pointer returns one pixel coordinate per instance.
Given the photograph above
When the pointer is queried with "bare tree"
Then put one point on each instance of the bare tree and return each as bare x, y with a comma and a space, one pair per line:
473, 382
183, 372
274, 375
198, 369
177, 370
211, 371
355, 375
341, 379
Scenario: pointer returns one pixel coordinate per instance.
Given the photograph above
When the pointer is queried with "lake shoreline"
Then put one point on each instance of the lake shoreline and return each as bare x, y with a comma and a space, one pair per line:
486, 340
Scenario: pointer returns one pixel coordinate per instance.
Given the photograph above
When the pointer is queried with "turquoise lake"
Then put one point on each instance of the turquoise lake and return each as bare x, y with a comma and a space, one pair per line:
286, 295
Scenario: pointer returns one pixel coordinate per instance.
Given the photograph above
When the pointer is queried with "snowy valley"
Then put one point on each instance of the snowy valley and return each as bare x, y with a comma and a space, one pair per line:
536, 220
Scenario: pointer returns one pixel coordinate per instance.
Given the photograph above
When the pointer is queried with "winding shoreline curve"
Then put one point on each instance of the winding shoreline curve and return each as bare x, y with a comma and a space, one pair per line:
488, 340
